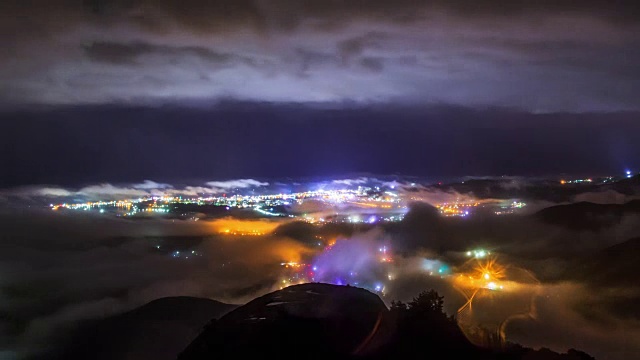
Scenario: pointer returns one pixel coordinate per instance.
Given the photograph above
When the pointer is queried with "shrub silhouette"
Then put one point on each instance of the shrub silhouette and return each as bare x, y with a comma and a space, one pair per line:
423, 327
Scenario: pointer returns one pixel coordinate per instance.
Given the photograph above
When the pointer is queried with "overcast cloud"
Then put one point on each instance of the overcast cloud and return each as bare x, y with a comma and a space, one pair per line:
537, 56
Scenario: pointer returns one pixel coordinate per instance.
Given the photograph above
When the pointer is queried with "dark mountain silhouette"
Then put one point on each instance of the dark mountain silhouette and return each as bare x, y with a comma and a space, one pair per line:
322, 321
625, 186
549, 190
586, 215
616, 265
508, 189
155, 331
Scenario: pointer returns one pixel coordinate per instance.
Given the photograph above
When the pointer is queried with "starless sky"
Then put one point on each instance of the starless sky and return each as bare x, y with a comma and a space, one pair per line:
100, 75
535, 55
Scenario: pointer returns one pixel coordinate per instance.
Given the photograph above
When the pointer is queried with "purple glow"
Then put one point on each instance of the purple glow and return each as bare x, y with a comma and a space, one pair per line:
362, 262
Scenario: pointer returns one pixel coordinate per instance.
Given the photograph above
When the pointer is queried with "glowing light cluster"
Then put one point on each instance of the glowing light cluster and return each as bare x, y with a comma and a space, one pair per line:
96, 204
344, 262
510, 208
478, 253
435, 267
576, 181
241, 233
297, 273
269, 205
482, 273
456, 208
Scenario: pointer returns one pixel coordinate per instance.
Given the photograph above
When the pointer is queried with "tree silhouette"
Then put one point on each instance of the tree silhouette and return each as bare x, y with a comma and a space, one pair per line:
397, 307
422, 327
428, 303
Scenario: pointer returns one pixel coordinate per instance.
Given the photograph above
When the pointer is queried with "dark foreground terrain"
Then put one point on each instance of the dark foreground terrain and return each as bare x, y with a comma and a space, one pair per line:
322, 321
311, 321
157, 330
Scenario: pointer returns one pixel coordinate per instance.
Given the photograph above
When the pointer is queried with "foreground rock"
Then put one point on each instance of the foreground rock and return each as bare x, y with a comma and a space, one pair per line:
308, 321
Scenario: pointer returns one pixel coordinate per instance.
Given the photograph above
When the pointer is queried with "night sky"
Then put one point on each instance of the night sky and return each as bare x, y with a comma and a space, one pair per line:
92, 144
129, 90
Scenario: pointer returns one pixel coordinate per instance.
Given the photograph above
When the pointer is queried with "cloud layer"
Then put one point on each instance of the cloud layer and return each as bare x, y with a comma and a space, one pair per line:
107, 191
539, 56
63, 267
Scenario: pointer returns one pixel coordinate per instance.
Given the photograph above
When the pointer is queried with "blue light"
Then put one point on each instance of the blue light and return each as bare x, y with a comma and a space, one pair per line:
444, 269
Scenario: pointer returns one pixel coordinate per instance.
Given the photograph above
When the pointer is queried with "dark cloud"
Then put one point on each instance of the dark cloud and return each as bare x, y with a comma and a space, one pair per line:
539, 56
373, 64
286, 14
122, 54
